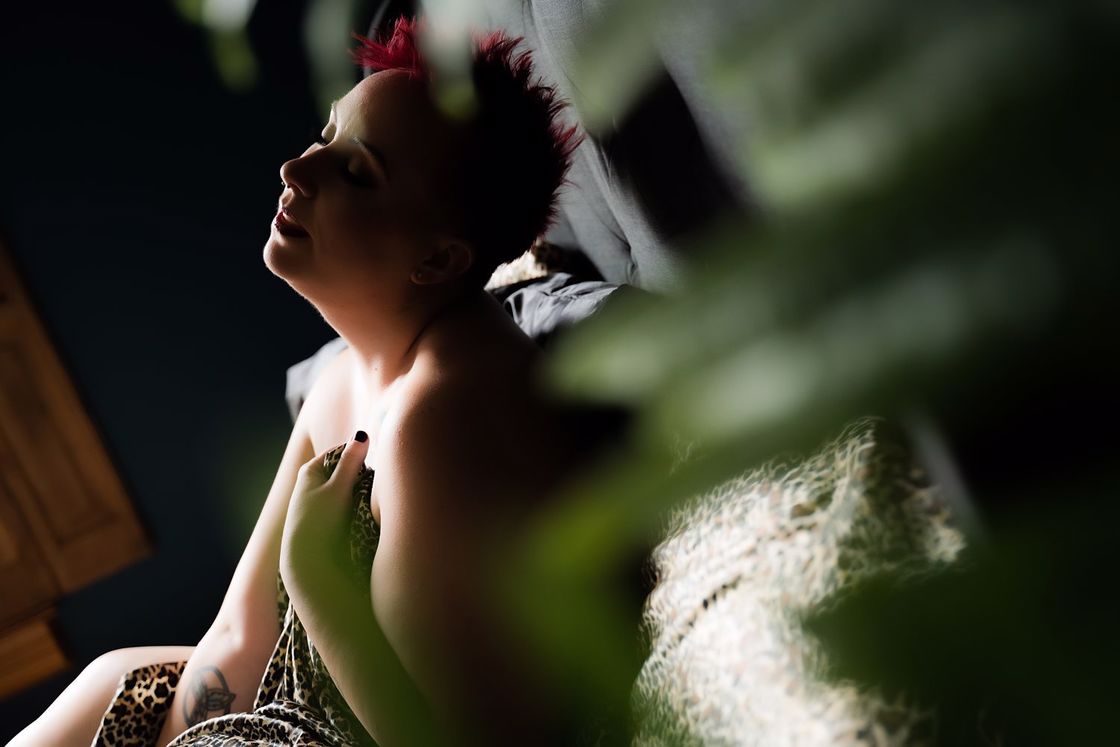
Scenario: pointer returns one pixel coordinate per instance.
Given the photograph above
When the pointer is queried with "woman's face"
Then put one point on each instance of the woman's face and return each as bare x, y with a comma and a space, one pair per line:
359, 212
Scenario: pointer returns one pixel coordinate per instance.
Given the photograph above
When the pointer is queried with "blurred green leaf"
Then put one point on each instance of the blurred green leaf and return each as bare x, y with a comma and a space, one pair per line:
225, 22
227, 15
234, 59
1013, 644
615, 59
190, 10
326, 35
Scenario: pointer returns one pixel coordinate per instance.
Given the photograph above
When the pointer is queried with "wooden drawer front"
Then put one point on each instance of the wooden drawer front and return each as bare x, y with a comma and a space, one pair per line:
56, 470
29, 652
26, 583
69, 508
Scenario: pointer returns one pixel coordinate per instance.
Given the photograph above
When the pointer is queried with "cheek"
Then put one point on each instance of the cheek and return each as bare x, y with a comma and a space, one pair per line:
365, 246
358, 217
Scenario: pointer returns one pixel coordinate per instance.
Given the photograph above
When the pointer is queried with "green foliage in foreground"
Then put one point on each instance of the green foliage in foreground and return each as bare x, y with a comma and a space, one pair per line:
936, 182
935, 185
1013, 645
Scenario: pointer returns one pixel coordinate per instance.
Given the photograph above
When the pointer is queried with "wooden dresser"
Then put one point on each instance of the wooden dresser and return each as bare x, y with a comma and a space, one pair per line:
65, 519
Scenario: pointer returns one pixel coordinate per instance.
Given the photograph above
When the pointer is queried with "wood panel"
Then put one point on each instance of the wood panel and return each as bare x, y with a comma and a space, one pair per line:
71, 496
65, 519
29, 653
26, 583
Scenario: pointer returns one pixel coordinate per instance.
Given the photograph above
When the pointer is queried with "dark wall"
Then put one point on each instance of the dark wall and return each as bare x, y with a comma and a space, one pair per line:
136, 194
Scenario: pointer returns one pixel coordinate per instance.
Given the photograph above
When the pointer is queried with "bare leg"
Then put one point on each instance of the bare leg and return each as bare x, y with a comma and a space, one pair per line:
73, 717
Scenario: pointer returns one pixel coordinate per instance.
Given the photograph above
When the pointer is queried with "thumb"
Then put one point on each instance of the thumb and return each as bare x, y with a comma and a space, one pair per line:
350, 463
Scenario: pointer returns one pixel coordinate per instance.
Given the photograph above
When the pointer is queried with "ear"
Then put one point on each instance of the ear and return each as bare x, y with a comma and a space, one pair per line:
450, 259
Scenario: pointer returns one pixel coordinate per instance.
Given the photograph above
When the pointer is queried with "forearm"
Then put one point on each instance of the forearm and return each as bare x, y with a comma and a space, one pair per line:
222, 676
339, 621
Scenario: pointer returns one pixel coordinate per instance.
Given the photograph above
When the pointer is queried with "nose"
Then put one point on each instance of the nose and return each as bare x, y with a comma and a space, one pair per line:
297, 175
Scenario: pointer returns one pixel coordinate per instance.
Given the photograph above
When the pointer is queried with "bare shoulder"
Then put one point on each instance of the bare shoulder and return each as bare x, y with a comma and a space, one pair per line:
329, 393
441, 419
485, 422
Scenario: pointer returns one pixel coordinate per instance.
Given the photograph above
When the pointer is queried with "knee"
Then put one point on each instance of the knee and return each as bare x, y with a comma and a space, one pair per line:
113, 664
103, 675
110, 666
73, 717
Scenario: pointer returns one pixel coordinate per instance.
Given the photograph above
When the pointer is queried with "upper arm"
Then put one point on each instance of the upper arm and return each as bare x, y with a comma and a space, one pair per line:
250, 605
440, 486
421, 479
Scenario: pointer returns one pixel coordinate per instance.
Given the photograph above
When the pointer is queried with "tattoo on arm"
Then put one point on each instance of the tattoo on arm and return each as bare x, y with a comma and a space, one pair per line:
208, 696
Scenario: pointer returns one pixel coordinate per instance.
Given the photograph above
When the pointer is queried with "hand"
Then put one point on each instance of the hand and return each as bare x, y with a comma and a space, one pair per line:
316, 537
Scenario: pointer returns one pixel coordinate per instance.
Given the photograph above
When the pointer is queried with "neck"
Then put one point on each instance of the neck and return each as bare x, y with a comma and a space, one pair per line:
385, 342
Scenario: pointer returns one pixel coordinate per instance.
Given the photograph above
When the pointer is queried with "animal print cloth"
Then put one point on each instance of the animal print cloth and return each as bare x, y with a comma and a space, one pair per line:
297, 703
140, 705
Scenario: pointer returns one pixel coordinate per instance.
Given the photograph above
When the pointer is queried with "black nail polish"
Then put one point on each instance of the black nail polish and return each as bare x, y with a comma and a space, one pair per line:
360, 436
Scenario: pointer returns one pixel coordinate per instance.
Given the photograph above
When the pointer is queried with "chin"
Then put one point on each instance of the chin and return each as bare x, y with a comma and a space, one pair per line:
286, 258
295, 266
289, 264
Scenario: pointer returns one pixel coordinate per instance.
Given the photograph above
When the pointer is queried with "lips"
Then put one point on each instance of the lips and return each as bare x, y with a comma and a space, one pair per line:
286, 225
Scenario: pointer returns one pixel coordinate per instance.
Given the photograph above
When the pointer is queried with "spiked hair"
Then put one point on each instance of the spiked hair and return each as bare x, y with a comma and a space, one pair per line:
518, 150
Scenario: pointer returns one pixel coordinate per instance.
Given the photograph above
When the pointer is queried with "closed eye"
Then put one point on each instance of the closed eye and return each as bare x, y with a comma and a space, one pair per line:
376, 157
358, 180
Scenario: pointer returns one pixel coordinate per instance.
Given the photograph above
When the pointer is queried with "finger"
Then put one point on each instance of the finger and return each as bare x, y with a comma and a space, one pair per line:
314, 471
353, 457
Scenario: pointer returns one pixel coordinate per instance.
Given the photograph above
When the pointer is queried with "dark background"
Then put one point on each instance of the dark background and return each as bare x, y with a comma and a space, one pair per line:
136, 196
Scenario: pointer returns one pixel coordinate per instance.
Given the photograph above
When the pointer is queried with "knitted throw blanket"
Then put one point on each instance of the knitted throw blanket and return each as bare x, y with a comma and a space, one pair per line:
729, 662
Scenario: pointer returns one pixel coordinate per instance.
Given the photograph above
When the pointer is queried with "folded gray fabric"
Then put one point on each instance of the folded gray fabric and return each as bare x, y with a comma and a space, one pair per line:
545, 306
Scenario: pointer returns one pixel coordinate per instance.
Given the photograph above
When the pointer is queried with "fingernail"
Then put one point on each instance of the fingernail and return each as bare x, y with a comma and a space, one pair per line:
360, 436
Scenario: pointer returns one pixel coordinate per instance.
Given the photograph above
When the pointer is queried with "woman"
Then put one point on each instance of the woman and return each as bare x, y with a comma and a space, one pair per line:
389, 225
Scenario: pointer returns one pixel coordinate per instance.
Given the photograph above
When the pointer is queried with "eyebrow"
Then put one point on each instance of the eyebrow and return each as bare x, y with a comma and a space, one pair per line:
374, 153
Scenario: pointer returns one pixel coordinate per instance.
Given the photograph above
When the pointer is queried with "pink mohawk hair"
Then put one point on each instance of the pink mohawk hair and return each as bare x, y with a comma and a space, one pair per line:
497, 50
400, 52
521, 151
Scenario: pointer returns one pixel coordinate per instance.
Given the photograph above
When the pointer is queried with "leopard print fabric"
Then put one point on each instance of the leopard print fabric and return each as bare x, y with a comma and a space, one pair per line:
730, 662
297, 703
139, 705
